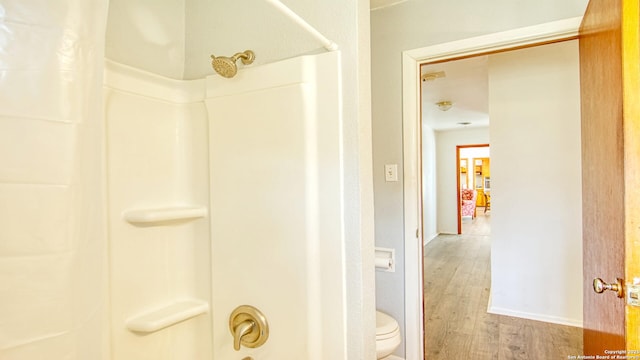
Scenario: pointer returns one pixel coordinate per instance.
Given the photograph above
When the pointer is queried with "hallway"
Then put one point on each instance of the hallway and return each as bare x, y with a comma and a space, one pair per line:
457, 282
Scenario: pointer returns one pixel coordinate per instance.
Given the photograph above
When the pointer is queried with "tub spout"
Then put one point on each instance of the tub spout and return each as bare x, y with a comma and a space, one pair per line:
244, 328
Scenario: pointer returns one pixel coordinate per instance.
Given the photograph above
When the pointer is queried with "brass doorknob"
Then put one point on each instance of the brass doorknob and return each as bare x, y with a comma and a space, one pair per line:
600, 286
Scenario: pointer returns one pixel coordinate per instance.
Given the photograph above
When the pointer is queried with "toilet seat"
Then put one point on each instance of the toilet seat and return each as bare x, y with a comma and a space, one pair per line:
387, 335
386, 326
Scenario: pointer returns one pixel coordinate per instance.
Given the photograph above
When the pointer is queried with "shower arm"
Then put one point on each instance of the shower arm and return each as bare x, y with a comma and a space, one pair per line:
328, 44
246, 57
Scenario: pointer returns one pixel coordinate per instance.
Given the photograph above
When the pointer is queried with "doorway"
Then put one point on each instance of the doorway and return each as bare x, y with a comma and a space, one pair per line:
534, 100
473, 165
541, 177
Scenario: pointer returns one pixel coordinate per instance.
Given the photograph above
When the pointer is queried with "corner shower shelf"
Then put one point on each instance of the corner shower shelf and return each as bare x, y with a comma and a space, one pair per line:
171, 314
160, 216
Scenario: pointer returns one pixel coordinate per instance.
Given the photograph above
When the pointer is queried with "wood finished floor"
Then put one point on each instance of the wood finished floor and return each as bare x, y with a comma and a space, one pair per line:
457, 283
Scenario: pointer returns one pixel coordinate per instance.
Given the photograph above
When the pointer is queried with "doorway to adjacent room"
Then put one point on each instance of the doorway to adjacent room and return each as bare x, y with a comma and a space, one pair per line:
473, 164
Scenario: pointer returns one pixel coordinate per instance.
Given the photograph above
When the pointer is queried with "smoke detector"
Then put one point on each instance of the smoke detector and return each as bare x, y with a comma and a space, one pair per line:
433, 75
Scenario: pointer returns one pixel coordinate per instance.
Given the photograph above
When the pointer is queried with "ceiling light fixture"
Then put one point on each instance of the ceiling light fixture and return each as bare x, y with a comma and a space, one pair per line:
444, 105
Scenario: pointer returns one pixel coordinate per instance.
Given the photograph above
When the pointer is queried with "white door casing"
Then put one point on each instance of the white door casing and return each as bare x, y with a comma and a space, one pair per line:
411, 61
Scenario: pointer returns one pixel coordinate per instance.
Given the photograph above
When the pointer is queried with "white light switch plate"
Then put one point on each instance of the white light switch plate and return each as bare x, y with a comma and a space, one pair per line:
391, 172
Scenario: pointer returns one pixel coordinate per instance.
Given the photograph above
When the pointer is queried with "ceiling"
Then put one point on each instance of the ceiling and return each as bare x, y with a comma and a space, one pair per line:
465, 84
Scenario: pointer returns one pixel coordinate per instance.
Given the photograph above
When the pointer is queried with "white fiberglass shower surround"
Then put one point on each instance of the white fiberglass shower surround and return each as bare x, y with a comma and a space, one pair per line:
53, 297
267, 238
217, 193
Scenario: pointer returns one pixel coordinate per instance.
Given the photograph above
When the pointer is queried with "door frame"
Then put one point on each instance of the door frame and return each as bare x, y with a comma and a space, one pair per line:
412, 136
458, 189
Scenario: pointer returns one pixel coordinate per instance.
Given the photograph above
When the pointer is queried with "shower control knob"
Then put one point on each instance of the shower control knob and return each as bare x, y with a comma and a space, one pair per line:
248, 327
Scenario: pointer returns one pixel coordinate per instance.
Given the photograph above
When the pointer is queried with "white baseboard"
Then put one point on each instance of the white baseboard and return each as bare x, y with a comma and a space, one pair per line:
427, 239
537, 317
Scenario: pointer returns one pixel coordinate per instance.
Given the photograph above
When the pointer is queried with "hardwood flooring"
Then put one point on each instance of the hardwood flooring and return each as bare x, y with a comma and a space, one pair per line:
457, 282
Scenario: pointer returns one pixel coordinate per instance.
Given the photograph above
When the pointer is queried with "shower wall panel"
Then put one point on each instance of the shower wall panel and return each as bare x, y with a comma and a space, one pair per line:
277, 207
53, 288
157, 161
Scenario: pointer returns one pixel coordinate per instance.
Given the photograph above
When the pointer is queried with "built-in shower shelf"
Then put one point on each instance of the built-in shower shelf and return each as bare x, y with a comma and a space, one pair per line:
171, 314
160, 216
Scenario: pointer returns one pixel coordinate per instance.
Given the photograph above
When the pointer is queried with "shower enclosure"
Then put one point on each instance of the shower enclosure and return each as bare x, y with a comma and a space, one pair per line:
276, 207
143, 210
262, 226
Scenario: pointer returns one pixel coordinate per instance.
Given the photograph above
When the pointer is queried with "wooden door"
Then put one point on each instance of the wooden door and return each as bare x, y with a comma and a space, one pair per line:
609, 71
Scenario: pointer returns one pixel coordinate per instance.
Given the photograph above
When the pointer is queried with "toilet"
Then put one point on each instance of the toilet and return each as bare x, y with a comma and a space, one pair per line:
387, 335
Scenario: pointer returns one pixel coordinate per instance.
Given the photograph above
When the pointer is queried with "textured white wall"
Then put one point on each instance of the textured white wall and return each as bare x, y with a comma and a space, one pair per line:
536, 229
225, 27
417, 24
148, 35
446, 173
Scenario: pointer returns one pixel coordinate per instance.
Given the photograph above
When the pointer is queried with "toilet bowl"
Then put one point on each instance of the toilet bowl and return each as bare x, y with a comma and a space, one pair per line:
387, 335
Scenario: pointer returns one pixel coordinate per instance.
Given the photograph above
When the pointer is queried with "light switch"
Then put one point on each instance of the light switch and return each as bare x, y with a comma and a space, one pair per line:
391, 172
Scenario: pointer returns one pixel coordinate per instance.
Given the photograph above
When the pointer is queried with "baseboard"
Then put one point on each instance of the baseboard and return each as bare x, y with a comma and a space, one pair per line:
537, 317
427, 239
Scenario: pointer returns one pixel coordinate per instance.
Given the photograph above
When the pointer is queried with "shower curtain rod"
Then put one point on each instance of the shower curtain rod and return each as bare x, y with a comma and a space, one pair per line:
328, 44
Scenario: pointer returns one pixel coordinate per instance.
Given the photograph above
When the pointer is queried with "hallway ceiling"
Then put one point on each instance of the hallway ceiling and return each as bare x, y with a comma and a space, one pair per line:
465, 85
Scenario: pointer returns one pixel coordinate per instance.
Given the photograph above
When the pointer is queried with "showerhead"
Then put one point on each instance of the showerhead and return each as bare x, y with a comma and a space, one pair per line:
226, 66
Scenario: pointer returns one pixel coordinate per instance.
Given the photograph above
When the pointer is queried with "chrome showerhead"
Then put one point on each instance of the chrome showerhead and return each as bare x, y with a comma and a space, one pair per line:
226, 66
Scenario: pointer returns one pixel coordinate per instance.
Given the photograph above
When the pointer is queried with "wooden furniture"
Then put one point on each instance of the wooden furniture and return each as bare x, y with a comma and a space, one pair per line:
464, 175
481, 173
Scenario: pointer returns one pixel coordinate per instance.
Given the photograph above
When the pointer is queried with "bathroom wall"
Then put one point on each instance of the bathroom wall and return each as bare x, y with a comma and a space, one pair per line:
417, 24
157, 161
148, 34
53, 298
